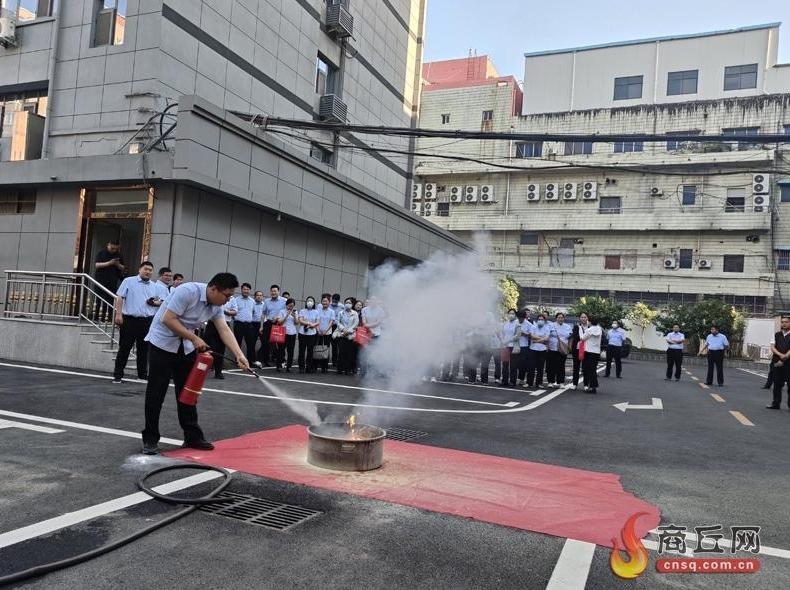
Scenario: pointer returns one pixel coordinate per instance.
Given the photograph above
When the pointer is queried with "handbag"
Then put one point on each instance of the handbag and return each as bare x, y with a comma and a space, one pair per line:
581, 350
563, 347
362, 336
504, 355
321, 352
277, 335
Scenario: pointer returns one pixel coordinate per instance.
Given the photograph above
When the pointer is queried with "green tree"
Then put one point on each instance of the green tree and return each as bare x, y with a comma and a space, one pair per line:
696, 319
509, 291
642, 316
606, 310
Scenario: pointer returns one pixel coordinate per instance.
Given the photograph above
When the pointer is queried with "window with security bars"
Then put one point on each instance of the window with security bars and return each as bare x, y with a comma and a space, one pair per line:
320, 153
740, 77
628, 87
783, 260
575, 148
17, 202
443, 209
682, 82
686, 258
488, 115
445, 118
737, 131
736, 201
628, 146
610, 205
529, 149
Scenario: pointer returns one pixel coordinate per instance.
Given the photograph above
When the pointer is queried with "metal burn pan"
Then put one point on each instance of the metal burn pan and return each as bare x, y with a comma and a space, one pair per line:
343, 448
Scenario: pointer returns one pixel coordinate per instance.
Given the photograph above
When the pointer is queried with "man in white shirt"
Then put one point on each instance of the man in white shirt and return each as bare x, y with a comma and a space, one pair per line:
675, 341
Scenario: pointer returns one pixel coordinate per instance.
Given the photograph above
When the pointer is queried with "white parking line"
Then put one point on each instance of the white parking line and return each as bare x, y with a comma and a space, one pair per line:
508, 408
538, 392
573, 566
763, 375
71, 518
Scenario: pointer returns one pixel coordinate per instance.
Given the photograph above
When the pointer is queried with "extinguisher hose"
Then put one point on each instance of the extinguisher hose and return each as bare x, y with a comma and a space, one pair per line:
191, 504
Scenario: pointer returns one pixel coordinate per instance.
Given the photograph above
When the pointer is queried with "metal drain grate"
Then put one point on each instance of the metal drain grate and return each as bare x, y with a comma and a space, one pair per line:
257, 511
395, 433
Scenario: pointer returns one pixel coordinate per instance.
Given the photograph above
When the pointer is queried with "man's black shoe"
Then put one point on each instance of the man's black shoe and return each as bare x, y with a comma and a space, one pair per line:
150, 449
772, 407
202, 445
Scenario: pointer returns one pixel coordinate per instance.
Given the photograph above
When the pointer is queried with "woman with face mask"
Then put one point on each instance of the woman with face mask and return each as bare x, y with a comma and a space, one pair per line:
614, 350
511, 330
538, 344
347, 322
575, 342
591, 334
284, 353
308, 323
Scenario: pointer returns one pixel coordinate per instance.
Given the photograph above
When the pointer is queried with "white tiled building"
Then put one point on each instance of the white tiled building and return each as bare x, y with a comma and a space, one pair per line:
659, 222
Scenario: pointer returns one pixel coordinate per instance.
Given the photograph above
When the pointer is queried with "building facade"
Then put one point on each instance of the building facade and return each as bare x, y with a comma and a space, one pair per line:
140, 119
659, 222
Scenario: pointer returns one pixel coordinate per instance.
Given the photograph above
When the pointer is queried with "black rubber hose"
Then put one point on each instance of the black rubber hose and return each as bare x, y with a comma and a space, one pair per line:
191, 503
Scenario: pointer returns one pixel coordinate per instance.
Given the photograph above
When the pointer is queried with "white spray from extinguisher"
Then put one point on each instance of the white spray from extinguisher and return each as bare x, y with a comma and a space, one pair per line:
308, 411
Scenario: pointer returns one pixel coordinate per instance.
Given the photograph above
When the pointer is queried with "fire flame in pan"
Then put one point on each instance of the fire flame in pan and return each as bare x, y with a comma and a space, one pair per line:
352, 428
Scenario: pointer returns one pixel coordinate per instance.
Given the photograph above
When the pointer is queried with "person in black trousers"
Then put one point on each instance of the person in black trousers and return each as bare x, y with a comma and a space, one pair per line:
574, 349
216, 343
780, 363
716, 344
173, 344
675, 341
135, 306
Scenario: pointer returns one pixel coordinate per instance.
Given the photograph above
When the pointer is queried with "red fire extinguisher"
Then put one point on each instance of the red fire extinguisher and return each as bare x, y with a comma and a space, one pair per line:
196, 378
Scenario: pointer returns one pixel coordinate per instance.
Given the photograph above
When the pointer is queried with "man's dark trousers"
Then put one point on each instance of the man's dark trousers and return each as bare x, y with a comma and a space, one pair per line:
265, 350
164, 366
781, 376
715, 359
614, 353
674, 360
247, 332
133, 331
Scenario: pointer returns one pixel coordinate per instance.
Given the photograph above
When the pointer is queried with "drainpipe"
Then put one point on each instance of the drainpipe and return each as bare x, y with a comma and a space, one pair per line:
53, 57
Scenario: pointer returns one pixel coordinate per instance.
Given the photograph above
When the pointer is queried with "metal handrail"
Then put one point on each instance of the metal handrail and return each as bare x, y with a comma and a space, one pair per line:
44, 295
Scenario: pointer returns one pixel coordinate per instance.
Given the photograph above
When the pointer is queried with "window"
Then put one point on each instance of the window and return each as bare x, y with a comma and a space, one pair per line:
14, 109
443, 209
735, 205
783, 260
609, 205
682, 82
322, 154
529, 238
611, 262
529, 149
685, 258
784, 191
689, 194
574, 148
787, 129
733, 263
741, 145
628, 146
110, 24
325, 76
678, 145
740, 77
28, 9
17, 202
445, 118
563, 257
628, 88
488, 115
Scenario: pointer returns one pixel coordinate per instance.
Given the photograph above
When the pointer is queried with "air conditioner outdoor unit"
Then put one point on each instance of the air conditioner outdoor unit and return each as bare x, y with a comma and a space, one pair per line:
429, 191
704, 263
331, 108
7, 31
426, 213
552, 191
761, 203
669, 263
533, 192
590, 191
416, 192
761, 184
656, 192
487, 193
470, 194
569, 191
427, 207
416, 206
339, 21
456, 194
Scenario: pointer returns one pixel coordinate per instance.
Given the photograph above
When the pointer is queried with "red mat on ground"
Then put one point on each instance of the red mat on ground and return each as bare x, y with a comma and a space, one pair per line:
573, 503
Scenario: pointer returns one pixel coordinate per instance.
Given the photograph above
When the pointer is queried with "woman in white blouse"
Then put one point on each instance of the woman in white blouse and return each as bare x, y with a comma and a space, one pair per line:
591, 334
347, 323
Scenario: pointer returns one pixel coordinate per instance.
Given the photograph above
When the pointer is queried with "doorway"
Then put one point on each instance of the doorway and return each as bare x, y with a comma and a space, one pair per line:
107, 214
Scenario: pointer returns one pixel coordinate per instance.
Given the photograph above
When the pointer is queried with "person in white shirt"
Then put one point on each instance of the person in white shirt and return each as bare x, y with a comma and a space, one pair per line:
539, 336
511, 330
675, 340
284, 353
347, 323
308, 325
559, 346
591, 336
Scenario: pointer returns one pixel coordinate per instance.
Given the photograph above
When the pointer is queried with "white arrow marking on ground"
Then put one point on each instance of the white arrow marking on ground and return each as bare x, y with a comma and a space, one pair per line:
656, 405
33, 427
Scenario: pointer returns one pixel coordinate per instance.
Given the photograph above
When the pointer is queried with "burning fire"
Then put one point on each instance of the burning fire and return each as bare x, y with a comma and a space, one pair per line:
352, 427
637, 554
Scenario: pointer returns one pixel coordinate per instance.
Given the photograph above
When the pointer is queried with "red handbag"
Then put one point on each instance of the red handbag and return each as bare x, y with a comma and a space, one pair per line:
362, 336
277, 335
581, 350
